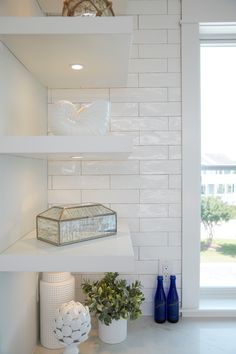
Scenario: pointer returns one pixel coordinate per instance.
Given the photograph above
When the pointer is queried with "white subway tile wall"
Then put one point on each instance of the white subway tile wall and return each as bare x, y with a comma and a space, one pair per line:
146, 7
145, 190
173, 36
174, 65
151, 36
158, 21
160, 80
159, 51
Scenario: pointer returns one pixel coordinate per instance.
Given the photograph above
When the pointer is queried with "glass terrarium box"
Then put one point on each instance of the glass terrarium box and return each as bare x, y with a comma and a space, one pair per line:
64, 225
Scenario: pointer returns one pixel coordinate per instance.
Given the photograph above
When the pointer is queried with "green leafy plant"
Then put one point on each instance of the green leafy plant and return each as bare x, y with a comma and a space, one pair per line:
112, 298
213, 212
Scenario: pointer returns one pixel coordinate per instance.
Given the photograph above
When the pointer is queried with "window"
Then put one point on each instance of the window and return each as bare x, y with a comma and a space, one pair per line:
191, 135
211, 189
218, 151
220, 189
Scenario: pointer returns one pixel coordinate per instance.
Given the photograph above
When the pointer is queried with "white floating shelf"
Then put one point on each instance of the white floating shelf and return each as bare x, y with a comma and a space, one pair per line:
104, 147
47, 46
113, 253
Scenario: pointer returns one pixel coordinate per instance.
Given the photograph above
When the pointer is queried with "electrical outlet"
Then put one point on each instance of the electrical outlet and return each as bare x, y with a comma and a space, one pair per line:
165, 269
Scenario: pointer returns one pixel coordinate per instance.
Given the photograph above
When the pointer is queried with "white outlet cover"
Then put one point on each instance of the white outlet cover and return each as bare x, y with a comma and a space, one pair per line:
163, 263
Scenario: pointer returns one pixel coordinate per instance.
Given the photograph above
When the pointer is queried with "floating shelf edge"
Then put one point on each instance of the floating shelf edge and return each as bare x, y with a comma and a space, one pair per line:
64, 147
113, 253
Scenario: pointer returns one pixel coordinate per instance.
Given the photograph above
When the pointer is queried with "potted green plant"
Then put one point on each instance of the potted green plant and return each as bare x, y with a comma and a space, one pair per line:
113, 301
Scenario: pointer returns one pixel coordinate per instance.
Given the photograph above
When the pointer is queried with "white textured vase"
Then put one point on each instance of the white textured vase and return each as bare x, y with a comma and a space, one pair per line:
55, 289
115, 333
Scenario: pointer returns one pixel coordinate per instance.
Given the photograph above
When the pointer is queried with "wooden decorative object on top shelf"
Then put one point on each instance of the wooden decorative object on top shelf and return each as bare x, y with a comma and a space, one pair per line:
87, 8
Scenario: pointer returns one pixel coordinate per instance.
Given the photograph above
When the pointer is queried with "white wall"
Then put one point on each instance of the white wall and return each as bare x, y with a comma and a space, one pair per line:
146, 189
22, 100
23, 111
209, 10
18, 330
19, 8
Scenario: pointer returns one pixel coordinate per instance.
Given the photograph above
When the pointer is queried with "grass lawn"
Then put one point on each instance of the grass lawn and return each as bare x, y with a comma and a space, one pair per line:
220, 251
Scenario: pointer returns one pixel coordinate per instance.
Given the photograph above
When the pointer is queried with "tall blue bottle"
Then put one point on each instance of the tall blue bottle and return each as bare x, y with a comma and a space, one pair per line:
172, 302
160, 302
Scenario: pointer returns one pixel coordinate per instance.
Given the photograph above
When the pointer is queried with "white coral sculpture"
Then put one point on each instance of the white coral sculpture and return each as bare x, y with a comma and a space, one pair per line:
91, 119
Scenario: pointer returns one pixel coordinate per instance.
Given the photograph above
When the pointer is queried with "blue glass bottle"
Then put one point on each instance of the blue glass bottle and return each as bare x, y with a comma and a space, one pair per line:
160, 302
172, 302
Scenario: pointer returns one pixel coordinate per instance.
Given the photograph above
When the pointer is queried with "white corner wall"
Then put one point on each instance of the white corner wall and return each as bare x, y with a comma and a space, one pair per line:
23, 111
22, 98
18, 331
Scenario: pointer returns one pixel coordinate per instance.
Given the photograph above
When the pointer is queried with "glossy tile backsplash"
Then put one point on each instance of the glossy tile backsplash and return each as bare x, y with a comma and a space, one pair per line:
145, 190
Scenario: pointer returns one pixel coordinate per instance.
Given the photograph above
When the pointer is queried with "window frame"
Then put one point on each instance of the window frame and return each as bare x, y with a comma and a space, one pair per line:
191, 167
193, 34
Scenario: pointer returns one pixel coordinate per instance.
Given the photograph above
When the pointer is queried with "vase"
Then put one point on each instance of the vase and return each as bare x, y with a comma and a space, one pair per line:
172, 302
55, 289
114, 333
160, 302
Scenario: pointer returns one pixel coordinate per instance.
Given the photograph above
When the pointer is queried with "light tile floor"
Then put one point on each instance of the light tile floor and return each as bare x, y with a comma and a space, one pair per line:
189, 336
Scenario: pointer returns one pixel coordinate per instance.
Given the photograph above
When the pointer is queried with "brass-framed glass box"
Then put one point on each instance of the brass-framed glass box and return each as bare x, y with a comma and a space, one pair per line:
65, 225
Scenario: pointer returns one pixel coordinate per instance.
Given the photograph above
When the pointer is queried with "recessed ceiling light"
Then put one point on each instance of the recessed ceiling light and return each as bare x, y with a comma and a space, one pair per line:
76, 157
76, 66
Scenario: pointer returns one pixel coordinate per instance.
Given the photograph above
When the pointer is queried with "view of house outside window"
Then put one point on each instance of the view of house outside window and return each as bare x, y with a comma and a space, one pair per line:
218, 170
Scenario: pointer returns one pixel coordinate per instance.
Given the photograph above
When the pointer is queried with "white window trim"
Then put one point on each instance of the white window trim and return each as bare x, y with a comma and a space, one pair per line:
191, 167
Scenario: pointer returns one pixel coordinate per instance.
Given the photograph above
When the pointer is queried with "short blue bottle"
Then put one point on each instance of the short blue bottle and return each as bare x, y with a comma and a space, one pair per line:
172, 302
160, 302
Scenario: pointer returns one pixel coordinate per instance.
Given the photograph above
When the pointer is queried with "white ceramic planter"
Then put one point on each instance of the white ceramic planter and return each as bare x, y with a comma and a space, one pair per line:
115, 333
